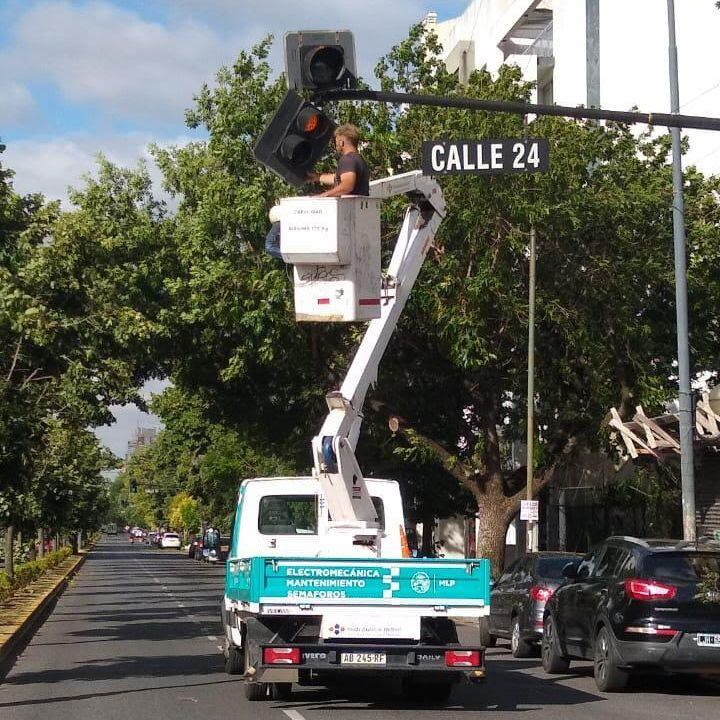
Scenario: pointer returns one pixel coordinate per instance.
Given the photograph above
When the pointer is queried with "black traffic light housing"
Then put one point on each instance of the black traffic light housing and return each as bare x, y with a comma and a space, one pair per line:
320, 60
294, 139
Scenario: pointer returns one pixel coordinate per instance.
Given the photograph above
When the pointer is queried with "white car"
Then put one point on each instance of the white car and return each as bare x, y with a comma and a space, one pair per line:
170, 540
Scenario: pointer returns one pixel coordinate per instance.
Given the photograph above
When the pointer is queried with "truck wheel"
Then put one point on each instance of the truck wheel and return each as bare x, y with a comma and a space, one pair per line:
552, 661
608, 676
486, 638
519, 647
255, 691
281, 690
234, 660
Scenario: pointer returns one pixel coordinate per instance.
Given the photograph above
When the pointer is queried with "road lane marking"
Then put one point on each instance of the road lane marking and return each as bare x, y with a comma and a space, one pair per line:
293, 714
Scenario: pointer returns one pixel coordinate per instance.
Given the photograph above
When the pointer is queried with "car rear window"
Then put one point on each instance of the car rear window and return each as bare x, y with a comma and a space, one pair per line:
171, 535
690, 567
551, 567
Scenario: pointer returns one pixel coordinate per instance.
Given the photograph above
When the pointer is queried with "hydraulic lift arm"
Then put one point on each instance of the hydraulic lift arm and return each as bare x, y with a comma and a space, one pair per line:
335, 465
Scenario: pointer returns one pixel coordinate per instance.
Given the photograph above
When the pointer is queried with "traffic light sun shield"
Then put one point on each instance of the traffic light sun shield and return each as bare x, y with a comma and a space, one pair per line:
320, 60
294, 139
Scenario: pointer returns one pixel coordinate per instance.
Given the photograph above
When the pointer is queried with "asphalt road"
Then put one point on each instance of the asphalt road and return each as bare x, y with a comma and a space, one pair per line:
136, 636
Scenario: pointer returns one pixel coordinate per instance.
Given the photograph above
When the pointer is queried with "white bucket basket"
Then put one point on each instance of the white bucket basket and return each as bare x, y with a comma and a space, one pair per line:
334, 245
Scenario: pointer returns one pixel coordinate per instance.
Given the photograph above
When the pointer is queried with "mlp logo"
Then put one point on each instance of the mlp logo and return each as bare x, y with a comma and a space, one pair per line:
420, 583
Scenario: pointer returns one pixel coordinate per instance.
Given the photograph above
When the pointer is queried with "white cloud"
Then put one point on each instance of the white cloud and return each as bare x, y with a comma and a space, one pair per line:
99, 53
17, 103
52, 166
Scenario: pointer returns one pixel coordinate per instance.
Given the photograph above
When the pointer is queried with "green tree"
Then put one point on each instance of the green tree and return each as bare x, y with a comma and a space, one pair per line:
184, 512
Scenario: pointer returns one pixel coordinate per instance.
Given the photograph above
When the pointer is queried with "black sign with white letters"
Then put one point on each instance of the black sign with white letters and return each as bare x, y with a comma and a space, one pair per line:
485, 157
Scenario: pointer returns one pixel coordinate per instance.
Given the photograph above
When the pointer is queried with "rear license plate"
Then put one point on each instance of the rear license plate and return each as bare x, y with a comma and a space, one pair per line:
704, 640
363, 658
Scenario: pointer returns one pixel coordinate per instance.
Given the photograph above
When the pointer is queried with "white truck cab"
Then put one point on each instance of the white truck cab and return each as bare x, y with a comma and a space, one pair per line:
288, 516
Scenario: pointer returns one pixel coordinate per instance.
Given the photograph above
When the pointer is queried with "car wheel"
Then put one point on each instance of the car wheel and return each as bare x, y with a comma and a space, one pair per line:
608, 676
553, 661
234, 660
487, 639
519, 647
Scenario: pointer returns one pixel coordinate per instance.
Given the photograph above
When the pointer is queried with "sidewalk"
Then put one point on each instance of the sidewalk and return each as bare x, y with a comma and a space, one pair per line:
20, 613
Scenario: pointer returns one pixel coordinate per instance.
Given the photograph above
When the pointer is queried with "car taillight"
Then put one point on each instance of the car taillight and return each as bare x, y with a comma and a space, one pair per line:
658, 631
462, 658
540, 593
649, 590
281, 656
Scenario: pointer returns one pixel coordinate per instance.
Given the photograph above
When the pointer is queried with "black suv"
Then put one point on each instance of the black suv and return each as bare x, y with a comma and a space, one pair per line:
637, 605
517, 600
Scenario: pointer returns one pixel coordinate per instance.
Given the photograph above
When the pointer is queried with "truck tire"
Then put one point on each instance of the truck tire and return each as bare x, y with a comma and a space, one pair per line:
553, 661
608, 676
234, 660
281, 690
487, 639
255, 691
519, 647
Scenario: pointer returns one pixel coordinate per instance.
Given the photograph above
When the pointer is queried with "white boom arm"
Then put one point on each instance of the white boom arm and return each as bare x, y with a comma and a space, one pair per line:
348, 500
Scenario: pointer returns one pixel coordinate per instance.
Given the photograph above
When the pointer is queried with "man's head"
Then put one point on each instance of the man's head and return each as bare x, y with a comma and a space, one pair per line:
347, 137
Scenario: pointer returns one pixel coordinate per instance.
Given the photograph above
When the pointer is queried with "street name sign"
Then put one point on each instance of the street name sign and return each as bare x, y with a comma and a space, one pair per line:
485, 157
530, 510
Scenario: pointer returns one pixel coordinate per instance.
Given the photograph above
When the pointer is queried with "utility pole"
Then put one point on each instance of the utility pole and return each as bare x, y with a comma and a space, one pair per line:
531, 543
687, 468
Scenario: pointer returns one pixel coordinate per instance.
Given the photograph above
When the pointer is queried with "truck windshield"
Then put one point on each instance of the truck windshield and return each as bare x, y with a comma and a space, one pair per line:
288, 515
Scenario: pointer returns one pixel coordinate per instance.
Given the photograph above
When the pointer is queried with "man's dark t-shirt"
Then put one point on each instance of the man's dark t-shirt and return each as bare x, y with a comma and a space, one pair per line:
352, 162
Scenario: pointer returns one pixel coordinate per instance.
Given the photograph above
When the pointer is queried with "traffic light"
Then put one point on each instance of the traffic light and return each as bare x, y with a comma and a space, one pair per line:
320, 60
294, 139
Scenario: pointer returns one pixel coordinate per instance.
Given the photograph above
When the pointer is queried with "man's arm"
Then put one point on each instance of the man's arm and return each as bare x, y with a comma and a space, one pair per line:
344, 187
322, 178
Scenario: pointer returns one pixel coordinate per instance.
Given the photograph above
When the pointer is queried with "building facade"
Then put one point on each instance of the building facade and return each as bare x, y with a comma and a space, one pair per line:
603, 53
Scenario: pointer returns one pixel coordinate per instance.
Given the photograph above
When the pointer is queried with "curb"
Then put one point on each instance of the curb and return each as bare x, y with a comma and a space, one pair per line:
15, 643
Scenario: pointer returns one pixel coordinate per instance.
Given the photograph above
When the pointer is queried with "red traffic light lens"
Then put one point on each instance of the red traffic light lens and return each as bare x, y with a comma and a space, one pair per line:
311, 122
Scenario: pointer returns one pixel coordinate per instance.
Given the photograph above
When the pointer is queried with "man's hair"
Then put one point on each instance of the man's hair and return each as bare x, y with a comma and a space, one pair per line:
350, 132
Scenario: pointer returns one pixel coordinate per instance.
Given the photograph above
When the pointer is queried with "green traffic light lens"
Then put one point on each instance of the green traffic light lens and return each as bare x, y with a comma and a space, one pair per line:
326, 65
295, 150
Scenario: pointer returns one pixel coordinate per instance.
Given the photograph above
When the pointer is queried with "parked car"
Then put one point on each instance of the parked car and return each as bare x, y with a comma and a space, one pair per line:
517, 600
637, 605
170, 540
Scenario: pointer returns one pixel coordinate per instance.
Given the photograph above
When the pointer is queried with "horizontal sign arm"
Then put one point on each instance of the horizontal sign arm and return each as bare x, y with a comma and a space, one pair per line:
521, 108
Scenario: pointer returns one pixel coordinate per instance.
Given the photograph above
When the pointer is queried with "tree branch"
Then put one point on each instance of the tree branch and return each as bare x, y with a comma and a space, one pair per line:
539, 483
456, 467
14, 361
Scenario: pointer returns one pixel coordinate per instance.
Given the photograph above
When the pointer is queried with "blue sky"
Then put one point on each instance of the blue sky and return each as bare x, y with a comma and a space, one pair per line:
78, 77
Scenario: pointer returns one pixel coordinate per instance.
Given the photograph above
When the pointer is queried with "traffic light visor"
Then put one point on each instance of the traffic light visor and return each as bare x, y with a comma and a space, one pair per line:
325, 66
320, 60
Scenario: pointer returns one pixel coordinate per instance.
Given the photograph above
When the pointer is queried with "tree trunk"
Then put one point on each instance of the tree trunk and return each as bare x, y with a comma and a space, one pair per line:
491, 534
41, 542
9, 542
428, 549
74, 539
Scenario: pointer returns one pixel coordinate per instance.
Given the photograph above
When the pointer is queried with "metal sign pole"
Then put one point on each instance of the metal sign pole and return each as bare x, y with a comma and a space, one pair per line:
531, 536
687, 469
